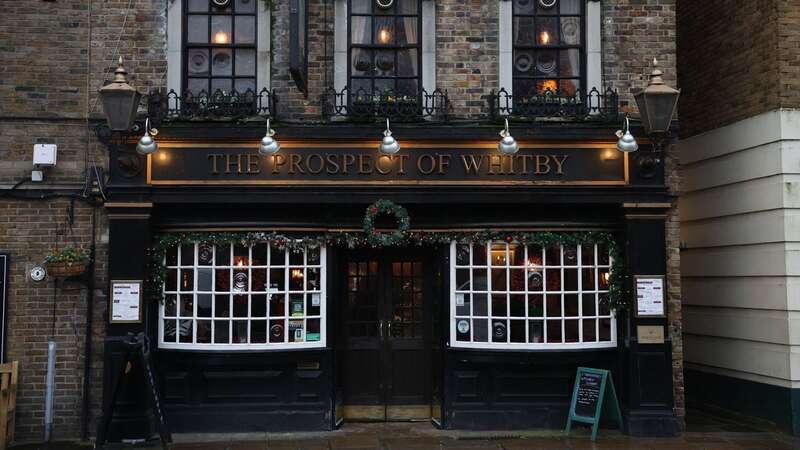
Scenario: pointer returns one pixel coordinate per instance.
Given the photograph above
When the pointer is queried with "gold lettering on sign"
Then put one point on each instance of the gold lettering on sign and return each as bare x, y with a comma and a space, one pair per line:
349, 160
235, 163
470, 164
333, 166
431, 164
364, 164
214, 157
253, 164
277, 161
560, 163
542, 165
496, 168
444, 163
378, 166
321, 164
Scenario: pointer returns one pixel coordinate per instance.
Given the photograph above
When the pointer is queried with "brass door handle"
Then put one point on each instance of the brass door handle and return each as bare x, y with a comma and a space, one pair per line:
380, 325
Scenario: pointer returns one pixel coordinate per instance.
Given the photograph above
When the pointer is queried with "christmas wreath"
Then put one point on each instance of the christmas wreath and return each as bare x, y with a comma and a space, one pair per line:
375, 237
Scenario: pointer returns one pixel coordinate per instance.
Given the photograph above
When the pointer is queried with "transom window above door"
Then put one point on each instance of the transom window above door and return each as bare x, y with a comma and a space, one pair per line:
220, 45
384, 47
548, 47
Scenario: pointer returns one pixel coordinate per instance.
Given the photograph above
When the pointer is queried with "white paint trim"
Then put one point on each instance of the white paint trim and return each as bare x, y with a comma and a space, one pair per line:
771, 126
428, 45
340, 45
594, 44
264, 47
174, 45
506, 45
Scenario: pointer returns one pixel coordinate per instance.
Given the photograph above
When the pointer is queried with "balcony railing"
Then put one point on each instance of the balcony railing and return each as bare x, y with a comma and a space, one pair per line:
594, 105
362, 105
220, 105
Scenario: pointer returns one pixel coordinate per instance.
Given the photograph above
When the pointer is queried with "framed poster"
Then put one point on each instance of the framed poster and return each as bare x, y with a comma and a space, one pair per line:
126, 301
649, 292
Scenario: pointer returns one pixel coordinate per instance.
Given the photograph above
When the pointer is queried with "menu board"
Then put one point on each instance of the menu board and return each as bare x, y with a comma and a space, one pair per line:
126, 301
588, 394
650, 296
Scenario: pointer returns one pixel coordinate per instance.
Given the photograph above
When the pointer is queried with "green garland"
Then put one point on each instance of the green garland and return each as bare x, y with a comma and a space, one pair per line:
375, 237
617, 294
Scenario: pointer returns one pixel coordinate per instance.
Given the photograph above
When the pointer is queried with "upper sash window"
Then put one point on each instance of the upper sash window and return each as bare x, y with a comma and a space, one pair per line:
384, 47
548, 47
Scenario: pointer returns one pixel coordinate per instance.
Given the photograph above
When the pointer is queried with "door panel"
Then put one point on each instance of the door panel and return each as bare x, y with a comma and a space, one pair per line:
386, 359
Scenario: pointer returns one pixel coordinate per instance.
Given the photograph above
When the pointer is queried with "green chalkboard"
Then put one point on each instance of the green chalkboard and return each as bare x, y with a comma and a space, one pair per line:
593, 393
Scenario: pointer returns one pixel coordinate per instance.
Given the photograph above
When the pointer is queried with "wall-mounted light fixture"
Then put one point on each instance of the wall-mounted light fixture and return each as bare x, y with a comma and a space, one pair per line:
147, 144
626, 143
269, 145
120, 100
389, 144
507, 145
657, 104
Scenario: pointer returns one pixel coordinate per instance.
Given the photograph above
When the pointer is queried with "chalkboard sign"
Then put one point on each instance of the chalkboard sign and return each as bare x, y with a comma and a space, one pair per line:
588, 394
593, 393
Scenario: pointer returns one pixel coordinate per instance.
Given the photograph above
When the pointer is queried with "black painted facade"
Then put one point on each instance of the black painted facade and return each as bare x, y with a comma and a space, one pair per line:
294, 390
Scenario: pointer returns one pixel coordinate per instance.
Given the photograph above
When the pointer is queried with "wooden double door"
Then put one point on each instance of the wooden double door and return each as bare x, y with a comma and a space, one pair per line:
385, 357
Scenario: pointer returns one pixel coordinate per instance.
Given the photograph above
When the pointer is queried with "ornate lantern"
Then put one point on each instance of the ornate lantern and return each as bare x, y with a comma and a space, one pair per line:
657, 103
120, 101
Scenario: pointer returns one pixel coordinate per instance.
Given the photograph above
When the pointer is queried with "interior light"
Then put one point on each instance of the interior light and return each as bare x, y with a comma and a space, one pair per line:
221, 37
544, 38
384, 36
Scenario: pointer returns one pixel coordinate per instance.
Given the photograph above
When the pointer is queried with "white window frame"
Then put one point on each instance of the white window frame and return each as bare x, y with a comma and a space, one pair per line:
428, 44
594, 42
175, 45
453, 317
321, 343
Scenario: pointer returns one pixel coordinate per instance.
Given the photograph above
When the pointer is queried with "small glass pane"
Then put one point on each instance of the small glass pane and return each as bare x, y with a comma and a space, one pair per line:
296, 331
222, 280
277, 305
535, 306
169, 330
569, 63
589, 308
523, 27
240, 306
222, 255
546, 63
517, 305
277, 282
258, 280
313, 303
198, 5
204, 305
516, 253
197, 31
187, 254
570, 255
499, 331
462, 330
516, 280
462, 280
221, 29
588, 279
312, 279
240, 280
223, 85
296, 257
361, 62
462, 304
604, 331
605, 310
296, 278
480, 330
239, 332
221, 64
570, 6
570, 279
570, 30
258, 306
221, 335
524, 6
186, 277
498, 254
553, 279
186, 305
361, 6
296, 305
587, 255
603, 278
553, 255
499, 282
246, 66
258, 331
313, 255
222, 306
406, 6
185, 331
535, 280
546, 31
535, 331
517, 333
203, 331
204, 279
384, 63
481, 307
313, 332
407, 89
589, 330
277, 331
479, 280
277, 256
171, 280
406, 31
602, 255
553, 331
479, 254
360, 29
172, 256
554, 305
571, 331
499, 305
245, 29
197, 85
246, 6
170, 305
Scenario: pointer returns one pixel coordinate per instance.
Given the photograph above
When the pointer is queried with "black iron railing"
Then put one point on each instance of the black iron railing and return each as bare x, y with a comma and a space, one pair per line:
202, 105
362, 105
593, 105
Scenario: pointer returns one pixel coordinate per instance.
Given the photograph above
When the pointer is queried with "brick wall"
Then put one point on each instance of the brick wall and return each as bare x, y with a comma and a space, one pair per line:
728, 63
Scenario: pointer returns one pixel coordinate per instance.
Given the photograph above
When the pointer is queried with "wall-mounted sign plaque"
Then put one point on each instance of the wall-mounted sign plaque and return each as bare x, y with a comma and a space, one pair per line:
649, 296
650, 334
126, 301
360, 163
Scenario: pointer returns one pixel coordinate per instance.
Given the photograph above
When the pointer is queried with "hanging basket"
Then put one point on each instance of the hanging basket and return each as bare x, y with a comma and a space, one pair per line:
66, 269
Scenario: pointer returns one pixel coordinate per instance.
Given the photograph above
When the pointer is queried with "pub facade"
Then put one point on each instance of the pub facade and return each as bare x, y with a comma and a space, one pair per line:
332, 211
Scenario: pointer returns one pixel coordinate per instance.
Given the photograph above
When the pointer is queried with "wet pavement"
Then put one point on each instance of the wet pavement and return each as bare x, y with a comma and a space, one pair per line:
423, 436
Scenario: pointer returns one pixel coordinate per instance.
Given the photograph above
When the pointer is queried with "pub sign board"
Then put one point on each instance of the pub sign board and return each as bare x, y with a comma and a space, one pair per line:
360, 163
592, 395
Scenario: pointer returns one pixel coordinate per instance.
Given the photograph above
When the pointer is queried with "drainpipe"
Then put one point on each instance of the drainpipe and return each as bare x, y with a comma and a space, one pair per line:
48, 401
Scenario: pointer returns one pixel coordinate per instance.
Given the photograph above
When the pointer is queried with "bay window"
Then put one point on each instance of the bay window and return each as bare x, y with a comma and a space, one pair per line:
235, 297
514, 296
